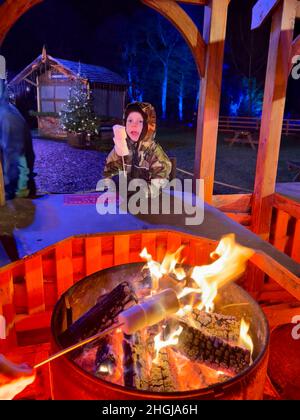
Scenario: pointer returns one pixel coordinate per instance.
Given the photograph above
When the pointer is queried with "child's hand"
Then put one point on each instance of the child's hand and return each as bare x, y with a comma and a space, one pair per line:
120, 140
13, 378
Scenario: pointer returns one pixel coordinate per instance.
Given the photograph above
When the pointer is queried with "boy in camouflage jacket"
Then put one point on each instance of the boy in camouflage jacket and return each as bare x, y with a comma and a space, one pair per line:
146, 158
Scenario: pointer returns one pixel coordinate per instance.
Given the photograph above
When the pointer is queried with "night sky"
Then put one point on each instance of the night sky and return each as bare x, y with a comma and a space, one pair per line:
92, 32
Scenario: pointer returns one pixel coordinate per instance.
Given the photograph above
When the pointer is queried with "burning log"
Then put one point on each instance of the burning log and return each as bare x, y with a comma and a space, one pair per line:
100, 316
161, 377
135, 366
212, 339
106, 361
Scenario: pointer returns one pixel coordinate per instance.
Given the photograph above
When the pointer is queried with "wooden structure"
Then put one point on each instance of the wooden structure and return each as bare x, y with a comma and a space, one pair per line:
30, 287
52, 78
37, 281
236, 123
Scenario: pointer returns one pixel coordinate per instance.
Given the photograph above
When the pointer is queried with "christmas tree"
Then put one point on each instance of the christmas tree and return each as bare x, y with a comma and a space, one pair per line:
77, 115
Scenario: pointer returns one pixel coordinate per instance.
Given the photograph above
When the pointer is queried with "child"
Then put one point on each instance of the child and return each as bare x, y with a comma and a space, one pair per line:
143, 158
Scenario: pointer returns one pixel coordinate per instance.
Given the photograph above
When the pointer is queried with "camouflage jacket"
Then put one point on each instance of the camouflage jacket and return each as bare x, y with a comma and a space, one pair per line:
146, 159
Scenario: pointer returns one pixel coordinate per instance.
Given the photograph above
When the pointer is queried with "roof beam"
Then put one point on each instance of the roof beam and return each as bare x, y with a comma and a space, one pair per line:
261, 11
195, 2
11, 11
171, 10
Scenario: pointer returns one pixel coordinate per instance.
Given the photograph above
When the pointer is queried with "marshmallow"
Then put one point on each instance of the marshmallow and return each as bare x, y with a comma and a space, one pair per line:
149, 312
120, 135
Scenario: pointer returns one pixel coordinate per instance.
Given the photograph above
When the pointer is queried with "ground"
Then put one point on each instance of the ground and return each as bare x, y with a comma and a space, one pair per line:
63, 169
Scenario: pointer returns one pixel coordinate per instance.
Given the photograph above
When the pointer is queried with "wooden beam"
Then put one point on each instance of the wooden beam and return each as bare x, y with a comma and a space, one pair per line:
195, 2
2, 190
11, 11
233, 202
278, 70
261, 11
281, 314
215, 22
287, 205
295, 51
289, 281
184, 24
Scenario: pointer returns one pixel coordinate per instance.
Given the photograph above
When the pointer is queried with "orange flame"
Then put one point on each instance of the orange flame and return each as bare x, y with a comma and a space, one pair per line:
167, 266
159, 343
245, 338
228, 267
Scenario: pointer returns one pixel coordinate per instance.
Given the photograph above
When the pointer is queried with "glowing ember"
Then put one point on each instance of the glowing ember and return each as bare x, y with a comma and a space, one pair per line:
159, 343
245, 339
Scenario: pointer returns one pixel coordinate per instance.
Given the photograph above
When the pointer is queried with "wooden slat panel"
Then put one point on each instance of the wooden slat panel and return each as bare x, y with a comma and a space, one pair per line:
173, 241
8, 310
93, 254
149, 242
33, 322
121, 249
295, 254
280, 237
64, 266
34, 285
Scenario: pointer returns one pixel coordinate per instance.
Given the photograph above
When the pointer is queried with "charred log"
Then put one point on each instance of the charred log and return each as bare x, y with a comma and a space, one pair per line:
106, 361
212, 339
161, 377
100, 316
135, 367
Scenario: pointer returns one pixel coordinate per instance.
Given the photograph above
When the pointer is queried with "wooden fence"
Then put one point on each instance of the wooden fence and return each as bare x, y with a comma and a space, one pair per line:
232, 123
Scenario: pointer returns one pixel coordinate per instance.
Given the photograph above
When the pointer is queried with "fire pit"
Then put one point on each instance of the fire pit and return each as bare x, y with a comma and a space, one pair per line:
199, 352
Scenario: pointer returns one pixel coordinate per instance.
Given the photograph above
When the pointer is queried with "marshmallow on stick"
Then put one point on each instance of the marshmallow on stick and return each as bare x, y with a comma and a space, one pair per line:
120, 140
149, 312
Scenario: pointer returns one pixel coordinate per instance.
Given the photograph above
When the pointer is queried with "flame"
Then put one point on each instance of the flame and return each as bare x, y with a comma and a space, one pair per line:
167, 266
245, 338
228, 267
159, 343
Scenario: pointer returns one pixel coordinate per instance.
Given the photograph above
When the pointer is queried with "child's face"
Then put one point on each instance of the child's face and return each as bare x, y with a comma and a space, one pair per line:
134, 125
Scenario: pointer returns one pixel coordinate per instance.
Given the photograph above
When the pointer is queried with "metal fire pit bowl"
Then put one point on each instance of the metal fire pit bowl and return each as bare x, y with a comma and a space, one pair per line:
69, 381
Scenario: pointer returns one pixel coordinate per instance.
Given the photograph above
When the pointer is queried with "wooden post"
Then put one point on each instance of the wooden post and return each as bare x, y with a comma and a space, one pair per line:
2, 190
278, 70
215, 20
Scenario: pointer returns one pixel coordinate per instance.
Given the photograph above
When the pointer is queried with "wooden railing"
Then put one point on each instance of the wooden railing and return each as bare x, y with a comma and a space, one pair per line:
285, 228
231, 123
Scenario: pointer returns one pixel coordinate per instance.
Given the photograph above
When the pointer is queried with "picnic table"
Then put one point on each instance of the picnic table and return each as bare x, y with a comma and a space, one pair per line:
242, 137
294, 165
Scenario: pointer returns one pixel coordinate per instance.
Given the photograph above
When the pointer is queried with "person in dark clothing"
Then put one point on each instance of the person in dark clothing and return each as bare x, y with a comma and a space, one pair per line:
16, 150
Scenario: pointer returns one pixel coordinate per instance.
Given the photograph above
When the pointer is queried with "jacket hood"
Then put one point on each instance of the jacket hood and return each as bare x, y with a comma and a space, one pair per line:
149, 116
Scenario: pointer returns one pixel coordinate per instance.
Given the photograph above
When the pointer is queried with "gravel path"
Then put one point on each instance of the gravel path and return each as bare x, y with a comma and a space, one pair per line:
64, 169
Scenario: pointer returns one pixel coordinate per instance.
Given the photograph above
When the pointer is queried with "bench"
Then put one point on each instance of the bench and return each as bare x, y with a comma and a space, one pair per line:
242, 137
294, 166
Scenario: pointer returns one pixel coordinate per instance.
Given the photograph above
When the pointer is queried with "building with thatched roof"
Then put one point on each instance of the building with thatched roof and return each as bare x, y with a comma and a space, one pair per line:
51, 78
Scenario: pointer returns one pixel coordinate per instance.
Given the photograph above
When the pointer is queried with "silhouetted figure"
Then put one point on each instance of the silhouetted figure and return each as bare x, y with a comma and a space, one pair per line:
16, 150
